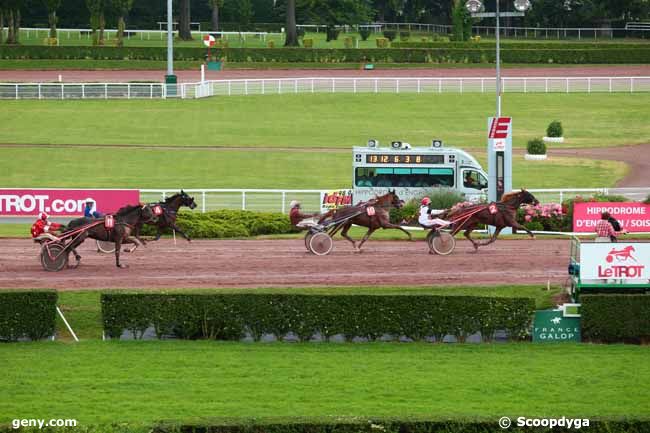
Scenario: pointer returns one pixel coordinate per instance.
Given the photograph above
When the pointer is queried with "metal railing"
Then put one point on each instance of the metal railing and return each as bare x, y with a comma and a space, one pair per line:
277, 200
82, 91
414, 85
274, 86
561, 32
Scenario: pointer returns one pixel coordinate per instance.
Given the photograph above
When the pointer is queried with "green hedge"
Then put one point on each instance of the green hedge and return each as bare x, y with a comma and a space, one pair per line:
230, 224
616, 318
27, 314
365, 425
490, 45
389, 55
230, 316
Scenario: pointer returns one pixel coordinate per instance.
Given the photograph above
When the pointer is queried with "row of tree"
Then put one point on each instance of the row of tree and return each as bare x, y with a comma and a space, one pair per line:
545, 13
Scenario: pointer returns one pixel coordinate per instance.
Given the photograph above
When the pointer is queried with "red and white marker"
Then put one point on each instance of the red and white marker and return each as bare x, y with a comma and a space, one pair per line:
208, 41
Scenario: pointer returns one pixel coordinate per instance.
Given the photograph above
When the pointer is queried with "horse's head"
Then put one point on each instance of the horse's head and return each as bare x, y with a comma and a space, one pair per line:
527, 198
393, 200
146, 213
186, 200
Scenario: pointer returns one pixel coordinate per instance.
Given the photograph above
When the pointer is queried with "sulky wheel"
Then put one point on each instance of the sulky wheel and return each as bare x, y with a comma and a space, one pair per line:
308, 236
105, 247
442, 243
321, 244
54, 257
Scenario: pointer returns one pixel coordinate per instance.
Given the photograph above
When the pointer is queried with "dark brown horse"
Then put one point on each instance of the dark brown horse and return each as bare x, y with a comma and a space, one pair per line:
500, 215
125, 219
374, 214
167, 219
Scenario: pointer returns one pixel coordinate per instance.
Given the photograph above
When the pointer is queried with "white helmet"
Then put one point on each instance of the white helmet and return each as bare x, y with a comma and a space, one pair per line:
294, 203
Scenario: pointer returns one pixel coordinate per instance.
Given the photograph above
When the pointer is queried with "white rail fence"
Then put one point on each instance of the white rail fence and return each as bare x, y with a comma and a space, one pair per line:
273, 86
277, 200
416, 85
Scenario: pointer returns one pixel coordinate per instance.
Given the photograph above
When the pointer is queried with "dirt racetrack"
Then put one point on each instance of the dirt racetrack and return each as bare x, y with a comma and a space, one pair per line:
285, 263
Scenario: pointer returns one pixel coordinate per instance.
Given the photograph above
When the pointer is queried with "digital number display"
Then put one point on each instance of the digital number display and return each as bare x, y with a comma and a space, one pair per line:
405, 159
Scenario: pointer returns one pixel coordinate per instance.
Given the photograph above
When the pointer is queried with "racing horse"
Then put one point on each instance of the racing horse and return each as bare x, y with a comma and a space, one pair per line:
374, 214
169, 214
125, 221
500, 215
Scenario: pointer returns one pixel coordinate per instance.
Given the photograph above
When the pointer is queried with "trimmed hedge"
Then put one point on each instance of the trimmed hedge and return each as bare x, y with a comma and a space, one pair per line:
521, 45
27, 314
365, 425
229, 224
616, 318
232, 316
320, 55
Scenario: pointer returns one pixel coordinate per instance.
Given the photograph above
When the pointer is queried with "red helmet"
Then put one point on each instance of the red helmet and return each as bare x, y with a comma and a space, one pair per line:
426, 201
44, 216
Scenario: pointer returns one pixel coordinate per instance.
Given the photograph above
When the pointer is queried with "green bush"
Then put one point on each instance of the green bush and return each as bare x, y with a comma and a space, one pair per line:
379, 425
534, 226
231, 316
536, 146
555, 129
364, 32
390, 34
229, 224
407, 214
443, 42
647, 200
404, 35
616, 318
27, 314
332, 33
348, 42
381, 42
453, 54
307, 42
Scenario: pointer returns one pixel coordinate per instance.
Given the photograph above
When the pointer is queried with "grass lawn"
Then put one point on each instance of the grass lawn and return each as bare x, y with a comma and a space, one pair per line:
83, 310
326, 120
270, 169
144, 382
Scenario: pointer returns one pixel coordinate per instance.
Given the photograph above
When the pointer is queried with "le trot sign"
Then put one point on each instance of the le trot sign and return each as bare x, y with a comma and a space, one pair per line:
621, 260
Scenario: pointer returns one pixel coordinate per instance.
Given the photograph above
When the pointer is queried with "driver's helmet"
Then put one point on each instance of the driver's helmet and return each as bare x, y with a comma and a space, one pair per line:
44, 216
426, 201
294, 204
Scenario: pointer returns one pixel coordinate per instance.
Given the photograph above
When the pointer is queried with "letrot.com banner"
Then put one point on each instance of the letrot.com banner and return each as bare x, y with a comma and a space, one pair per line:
634, 217
630, 261
63, 202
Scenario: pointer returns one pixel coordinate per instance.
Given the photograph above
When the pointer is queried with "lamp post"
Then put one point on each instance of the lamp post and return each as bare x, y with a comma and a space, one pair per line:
499, 149
170, 78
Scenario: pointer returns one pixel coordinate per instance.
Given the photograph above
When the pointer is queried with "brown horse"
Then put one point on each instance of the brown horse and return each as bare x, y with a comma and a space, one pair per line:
499, 215
374, 214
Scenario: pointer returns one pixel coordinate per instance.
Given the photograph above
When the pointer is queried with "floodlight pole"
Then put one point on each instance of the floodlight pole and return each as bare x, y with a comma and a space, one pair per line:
498, 35
170, 40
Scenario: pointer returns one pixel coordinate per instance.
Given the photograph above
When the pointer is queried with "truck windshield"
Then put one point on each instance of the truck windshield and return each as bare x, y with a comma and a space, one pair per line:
403, 177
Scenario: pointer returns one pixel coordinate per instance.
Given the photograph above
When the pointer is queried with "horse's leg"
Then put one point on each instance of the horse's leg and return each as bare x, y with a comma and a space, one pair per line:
515, 225
75, 243
136, 234
397, 227
118, 246
132, 240
344, 233
175, 227
469, 238
493, 237
365, 237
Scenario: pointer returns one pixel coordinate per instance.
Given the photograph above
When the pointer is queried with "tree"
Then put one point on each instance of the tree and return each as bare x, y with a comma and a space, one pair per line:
122, 7
12, 8
96, 9
184, 30
52, 6
215, 5
339, 12
244, 13
291, 30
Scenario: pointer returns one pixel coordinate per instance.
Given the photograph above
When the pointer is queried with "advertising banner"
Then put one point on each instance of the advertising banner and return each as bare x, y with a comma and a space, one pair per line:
63, 202
335, 199
622, 260
634, 217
